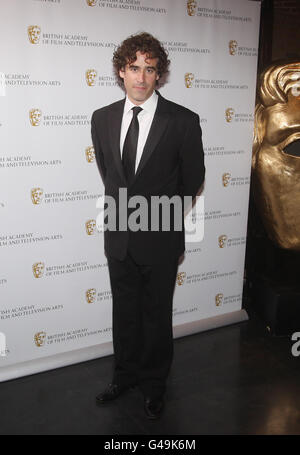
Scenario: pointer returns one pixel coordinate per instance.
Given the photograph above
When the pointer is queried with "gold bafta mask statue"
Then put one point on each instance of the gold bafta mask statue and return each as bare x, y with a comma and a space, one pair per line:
34, 33
38, 269
232, 46
229, 113
90, 227
180, 278
276, 154
35, 116
90, 295
39, 339
222, 241
226, 179
36, 195
188, 77
91, 2
90, 76
219, 299
90, 154
191, 7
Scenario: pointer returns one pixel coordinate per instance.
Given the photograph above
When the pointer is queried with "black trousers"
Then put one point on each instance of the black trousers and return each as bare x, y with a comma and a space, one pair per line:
142, 322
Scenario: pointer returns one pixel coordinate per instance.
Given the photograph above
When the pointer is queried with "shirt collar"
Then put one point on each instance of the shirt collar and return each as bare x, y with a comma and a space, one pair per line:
149, 105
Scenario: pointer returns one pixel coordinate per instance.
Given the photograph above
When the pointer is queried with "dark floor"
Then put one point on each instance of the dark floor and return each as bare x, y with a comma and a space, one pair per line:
233, 380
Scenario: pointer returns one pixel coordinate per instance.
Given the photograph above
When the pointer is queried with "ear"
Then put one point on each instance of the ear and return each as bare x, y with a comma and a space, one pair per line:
121, 73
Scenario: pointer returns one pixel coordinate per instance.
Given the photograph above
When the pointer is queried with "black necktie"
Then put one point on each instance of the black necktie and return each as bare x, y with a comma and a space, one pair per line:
130, 146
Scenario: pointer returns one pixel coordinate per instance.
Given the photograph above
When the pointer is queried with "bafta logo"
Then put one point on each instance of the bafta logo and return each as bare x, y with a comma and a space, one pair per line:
229, 113
91, 2
35, 116
34, 33
90, 227
219, 299
39, 339
90, 154
90, 295
90, 77
191, 7
226, 179
232, 47
36, 195
222, 241
181, 278
188, 78
38, 269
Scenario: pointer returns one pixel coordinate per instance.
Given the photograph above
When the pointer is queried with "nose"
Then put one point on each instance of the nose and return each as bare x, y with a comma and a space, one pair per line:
141, 77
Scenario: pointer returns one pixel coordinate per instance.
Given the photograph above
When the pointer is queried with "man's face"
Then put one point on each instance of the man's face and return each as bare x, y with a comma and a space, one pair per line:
140, 78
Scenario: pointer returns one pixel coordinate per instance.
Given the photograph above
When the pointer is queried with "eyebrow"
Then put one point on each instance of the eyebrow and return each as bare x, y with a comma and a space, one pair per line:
137, 66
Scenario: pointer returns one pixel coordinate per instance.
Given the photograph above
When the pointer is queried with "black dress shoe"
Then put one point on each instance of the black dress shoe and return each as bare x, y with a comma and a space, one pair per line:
111, 393
153, 407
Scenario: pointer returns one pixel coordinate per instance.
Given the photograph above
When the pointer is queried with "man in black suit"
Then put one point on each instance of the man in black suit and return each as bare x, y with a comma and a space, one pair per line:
146, 147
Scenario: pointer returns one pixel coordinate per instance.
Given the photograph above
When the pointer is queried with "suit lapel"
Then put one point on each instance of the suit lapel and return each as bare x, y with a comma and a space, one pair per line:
159, 125
115, 123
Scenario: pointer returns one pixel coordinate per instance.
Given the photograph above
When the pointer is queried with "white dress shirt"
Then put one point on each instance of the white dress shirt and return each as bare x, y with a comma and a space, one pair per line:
145, 119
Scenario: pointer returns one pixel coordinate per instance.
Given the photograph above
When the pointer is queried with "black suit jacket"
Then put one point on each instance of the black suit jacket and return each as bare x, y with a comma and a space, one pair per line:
172, 164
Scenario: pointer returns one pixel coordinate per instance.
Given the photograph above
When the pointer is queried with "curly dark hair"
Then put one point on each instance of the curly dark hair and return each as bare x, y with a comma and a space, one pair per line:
146, 44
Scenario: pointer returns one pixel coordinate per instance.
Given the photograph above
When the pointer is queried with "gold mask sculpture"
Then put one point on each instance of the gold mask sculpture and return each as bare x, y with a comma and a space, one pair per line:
275, 168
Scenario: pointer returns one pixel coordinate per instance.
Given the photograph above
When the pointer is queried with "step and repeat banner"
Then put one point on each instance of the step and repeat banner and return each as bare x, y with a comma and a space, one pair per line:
55, 70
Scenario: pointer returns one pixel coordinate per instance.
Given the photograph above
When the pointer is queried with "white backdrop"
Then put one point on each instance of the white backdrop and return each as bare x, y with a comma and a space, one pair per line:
55, 70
